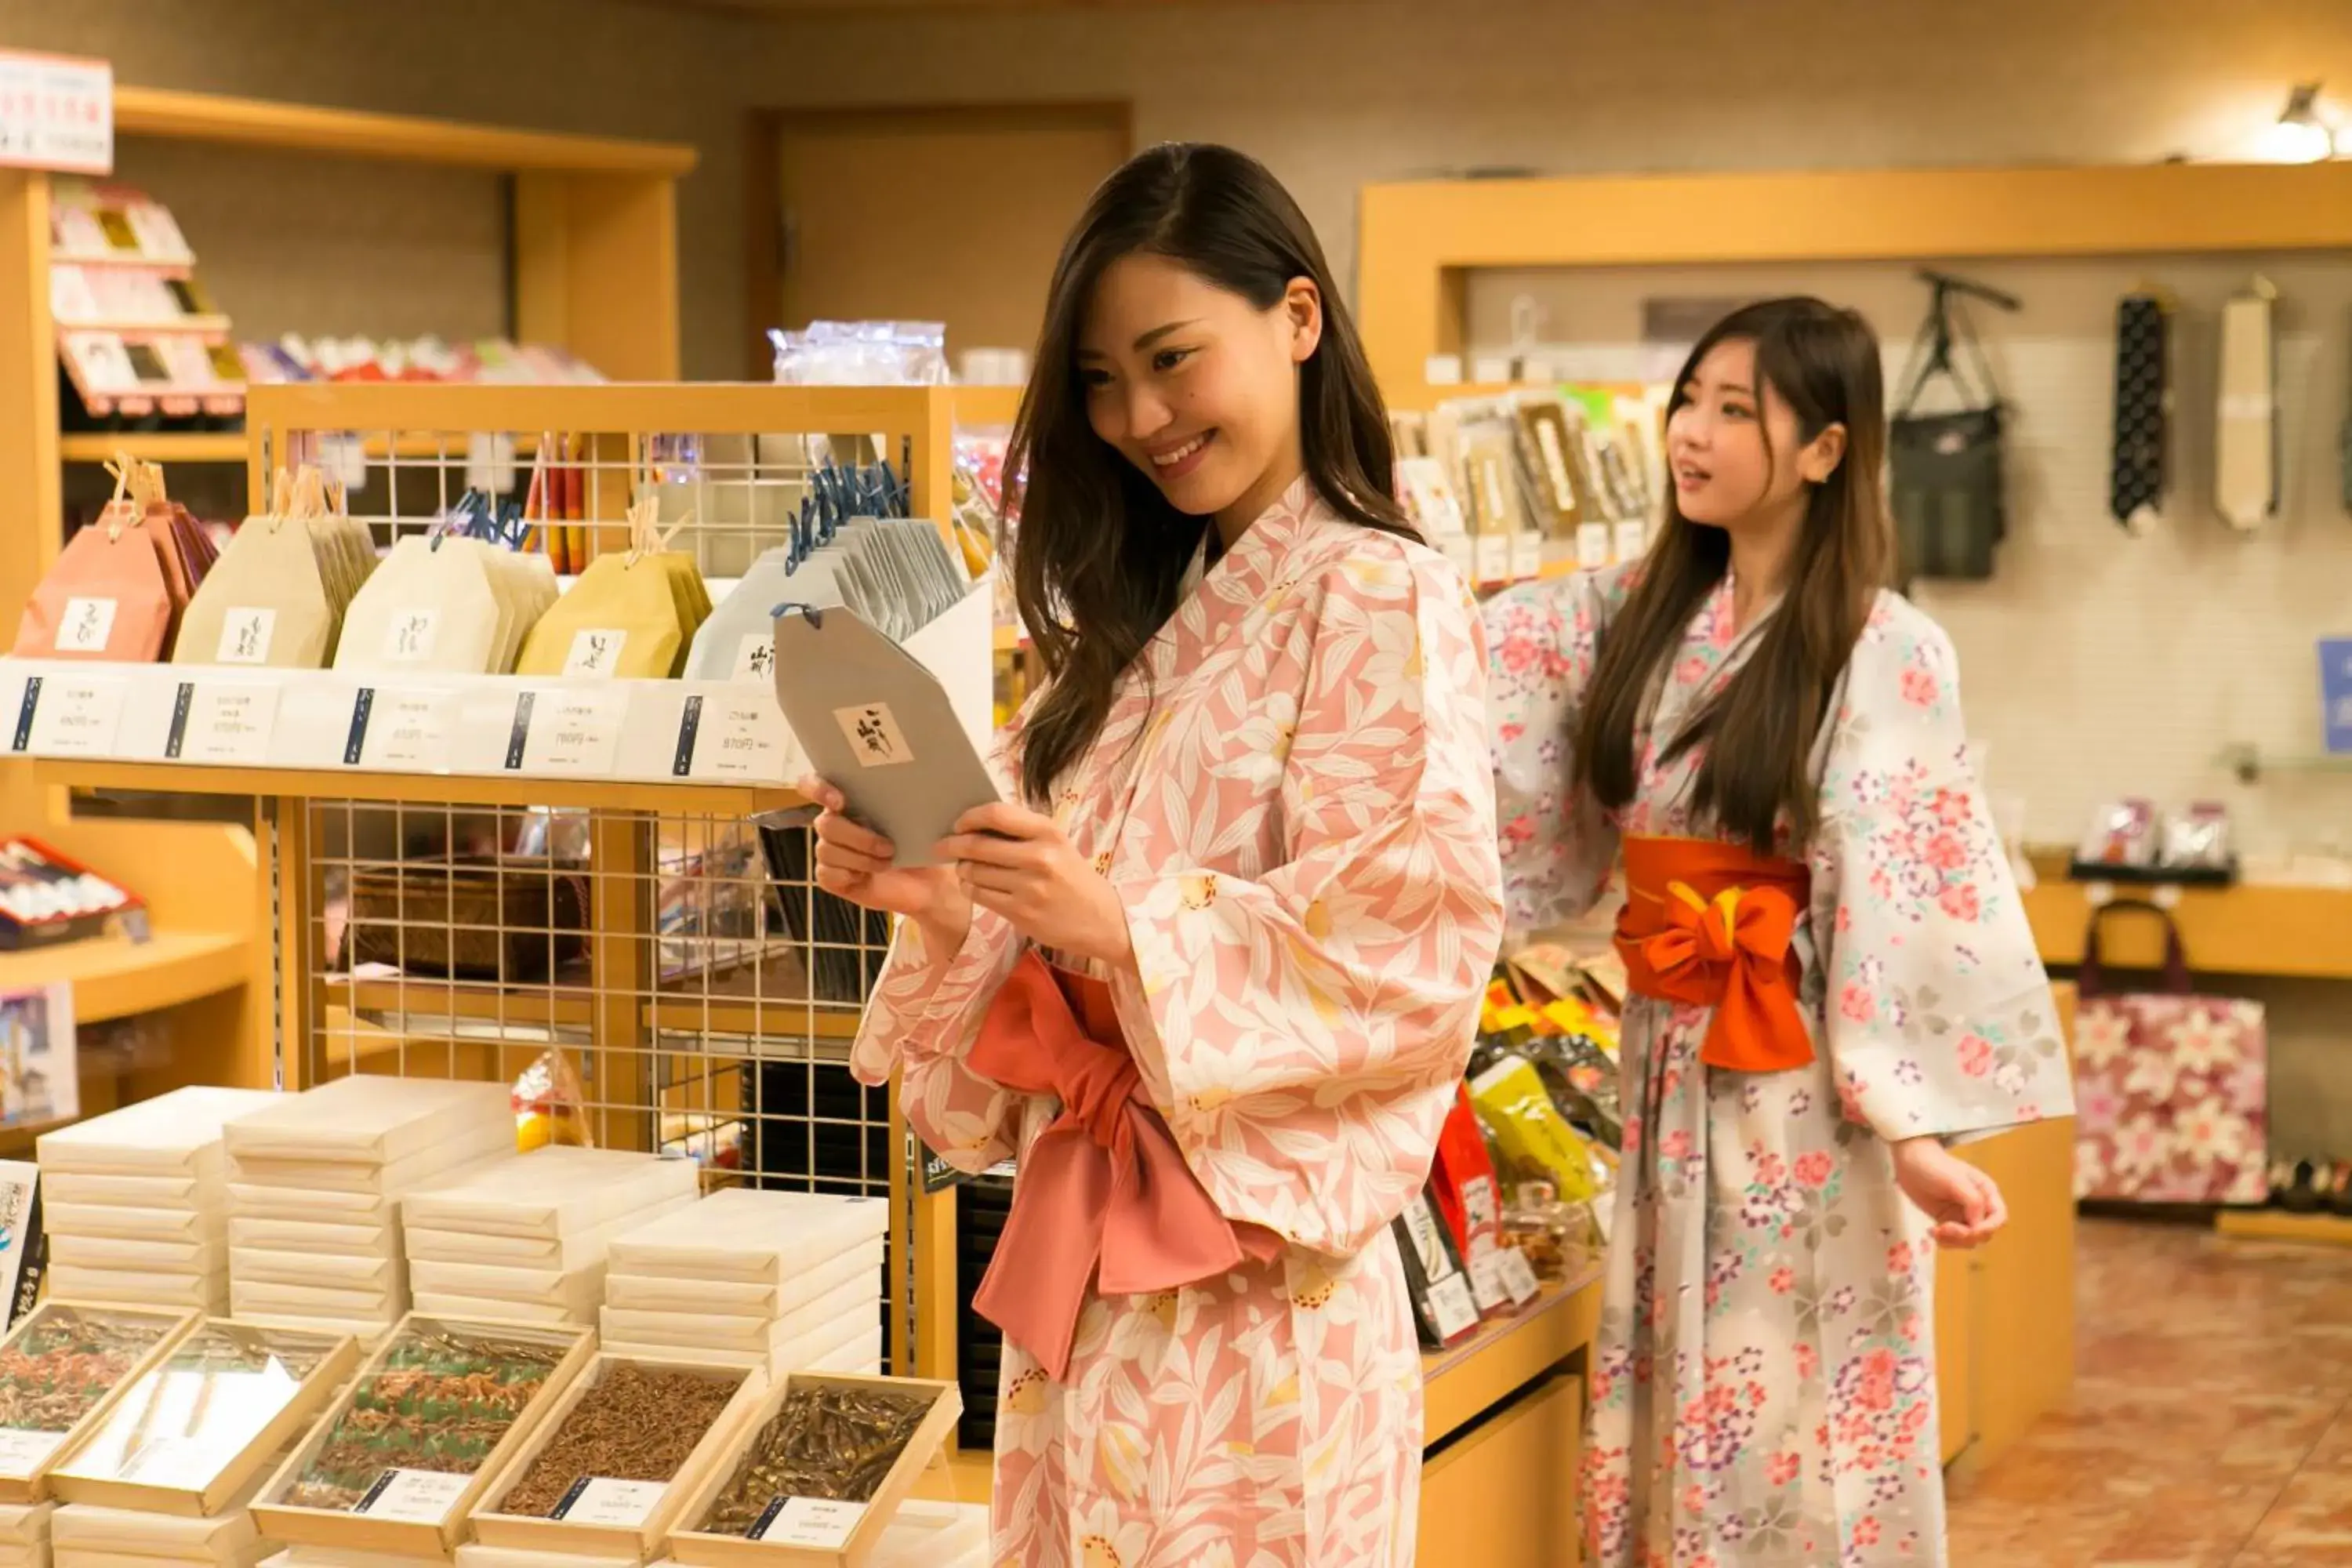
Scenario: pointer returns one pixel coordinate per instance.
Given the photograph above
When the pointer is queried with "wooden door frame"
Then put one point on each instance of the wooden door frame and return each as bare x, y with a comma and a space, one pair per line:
763, 198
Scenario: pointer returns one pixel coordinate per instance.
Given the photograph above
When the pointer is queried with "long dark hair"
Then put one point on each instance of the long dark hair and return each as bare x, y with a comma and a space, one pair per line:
1099, 552
1759, 730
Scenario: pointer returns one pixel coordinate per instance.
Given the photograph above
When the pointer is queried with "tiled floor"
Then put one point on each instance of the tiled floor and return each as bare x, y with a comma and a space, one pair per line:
2211, 1422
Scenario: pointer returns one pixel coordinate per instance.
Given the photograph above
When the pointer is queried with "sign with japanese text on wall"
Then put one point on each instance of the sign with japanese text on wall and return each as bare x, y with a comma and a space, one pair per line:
57, 114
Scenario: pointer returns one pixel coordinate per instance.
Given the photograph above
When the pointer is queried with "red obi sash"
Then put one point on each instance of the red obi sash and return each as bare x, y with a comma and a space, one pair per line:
1711, 924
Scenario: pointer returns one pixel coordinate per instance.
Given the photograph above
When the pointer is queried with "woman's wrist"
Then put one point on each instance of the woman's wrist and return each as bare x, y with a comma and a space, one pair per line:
942, 931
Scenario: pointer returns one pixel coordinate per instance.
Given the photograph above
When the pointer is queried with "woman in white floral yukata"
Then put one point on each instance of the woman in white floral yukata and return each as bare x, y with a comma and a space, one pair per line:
1833, 978
1215, 978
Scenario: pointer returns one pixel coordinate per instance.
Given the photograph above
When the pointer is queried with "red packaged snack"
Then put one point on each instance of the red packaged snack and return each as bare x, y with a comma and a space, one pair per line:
1464, 1178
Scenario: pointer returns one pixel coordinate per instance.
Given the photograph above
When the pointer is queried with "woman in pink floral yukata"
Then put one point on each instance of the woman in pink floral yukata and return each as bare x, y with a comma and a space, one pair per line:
1833, 978
1215, 980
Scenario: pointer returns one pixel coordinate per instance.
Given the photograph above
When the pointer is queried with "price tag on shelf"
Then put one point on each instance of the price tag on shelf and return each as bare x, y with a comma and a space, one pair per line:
414, 1496
731, 736
1518, 1276
57, 114
1591, 546
22, 1450
567, 732
223, 721
1453, 1308
1487, 1282
1633, 540
1527, 555
808, 1522
72, 715
411, 727
1493, 556
601, 1499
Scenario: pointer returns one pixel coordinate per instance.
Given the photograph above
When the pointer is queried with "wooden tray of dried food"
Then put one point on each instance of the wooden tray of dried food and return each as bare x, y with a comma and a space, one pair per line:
400, 1458
192, 1430
620, 1453
827, 1460
61, 1370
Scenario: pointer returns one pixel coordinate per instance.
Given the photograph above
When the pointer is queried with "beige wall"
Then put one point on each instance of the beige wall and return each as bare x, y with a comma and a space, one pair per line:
381, 249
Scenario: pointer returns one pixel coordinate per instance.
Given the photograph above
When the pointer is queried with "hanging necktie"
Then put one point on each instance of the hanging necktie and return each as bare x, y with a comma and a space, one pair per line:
2343, 449
2143, 409
2246, 468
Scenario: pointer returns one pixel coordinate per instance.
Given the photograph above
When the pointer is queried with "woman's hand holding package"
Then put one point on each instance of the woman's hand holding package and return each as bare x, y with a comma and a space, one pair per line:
1017, 863
854, 862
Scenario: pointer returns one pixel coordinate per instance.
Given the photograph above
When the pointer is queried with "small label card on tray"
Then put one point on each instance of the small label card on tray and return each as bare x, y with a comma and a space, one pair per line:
414, 1496
601, 1500
808, 1522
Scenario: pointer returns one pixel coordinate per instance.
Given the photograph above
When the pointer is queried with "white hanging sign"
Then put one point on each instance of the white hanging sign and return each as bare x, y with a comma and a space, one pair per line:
57, 114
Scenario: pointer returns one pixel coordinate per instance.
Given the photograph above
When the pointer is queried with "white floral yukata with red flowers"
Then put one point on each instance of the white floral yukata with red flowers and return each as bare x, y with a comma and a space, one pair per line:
1763, 1389
1292, 796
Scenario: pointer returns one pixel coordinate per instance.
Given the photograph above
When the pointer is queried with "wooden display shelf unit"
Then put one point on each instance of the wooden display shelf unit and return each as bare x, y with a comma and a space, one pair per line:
115, 977
418, 789
2248, 929
2277, 1224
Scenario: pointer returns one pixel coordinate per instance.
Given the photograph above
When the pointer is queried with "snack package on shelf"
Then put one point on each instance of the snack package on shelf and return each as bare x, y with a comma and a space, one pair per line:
828, 1462
549, 1104
430, 1419
1444, 1309
118, 590
194, 1430
1471, 1201
1536, 1140
2122, 836
1560, 1241
59, 1370
46, 898
790, 1281
444, 603
279, 594
619, 1455
525, 1237
632, 613
341, 1157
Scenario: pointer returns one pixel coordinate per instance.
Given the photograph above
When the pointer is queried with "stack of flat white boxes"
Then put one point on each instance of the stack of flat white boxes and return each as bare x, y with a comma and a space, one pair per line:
24, 1534
132, 1202
792, 1282
85, 1537
315, 1182
523, 1238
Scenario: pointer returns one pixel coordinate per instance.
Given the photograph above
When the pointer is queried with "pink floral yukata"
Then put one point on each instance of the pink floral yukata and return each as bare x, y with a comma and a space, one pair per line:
1301, 824
1763, 1391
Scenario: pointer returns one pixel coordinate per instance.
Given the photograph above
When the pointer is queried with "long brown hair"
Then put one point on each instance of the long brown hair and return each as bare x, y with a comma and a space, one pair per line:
1099, 552
1759, 730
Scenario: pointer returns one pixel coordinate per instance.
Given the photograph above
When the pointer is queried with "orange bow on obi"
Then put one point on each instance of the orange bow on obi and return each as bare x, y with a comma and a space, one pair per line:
1103, 1194
1711, 925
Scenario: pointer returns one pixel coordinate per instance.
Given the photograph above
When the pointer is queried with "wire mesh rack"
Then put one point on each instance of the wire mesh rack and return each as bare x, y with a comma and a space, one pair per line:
680, 960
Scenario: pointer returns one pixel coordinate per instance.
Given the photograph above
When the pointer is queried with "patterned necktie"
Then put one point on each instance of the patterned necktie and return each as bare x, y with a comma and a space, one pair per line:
2245, 468
2143, 406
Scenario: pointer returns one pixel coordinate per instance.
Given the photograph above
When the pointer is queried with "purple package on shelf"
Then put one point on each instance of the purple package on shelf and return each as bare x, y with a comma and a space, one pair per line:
2336, 694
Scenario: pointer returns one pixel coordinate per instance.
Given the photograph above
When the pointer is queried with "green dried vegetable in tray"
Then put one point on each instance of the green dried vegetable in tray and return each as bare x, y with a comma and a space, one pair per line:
441, 1400
833, 1441
62, 1366
638, 1424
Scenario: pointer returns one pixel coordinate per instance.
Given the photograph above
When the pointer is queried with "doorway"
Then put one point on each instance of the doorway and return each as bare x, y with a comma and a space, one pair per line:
854, 212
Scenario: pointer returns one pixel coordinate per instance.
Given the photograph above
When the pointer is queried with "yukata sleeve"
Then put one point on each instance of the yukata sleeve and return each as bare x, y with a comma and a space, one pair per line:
1303, 1032
1939, 1019
922, 1018
1557, 845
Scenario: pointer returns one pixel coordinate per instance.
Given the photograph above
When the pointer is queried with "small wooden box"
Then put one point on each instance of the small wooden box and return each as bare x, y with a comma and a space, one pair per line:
416, 1513
26, 1455
638, 1542
207, 1470
857, 1534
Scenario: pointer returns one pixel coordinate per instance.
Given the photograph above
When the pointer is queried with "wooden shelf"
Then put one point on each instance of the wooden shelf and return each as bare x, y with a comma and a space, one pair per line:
419, 789
114, 977
398, 138
976, 405
2277, 1224
156, 447
1505, 1355
2253, 928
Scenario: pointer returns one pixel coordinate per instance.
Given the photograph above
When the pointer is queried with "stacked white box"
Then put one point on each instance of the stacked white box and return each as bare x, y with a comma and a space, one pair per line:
133, 1201
83, 1536
524, 1238
24, 1534
792, 1282
314, 1188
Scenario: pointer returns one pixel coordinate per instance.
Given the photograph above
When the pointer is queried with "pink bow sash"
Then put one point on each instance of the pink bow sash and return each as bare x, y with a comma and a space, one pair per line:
1104, 1194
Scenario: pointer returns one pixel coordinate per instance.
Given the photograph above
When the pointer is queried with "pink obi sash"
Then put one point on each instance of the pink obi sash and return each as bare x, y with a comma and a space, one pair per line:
1103, 1194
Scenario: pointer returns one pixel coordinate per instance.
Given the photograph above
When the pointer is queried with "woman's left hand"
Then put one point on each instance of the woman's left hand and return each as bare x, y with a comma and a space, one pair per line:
1017, 863
1965, 1204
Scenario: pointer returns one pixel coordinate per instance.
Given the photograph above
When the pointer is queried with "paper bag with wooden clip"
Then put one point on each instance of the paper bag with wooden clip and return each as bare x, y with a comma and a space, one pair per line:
432, 606
270, 601
632, 614
108, 595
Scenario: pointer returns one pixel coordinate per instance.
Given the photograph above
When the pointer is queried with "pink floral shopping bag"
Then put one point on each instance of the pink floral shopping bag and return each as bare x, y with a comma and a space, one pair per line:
2170, 1086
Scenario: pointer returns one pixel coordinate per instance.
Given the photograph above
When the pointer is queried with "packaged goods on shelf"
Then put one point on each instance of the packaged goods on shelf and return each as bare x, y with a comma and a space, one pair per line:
757, 1277
60, 1369
46, 898
404, 1454
154, 1173
137, 335
279, 594
193, 1432
632, 614
342, 1155
619, 1455
117, 592
446, 605
818, 1442
525, 1237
